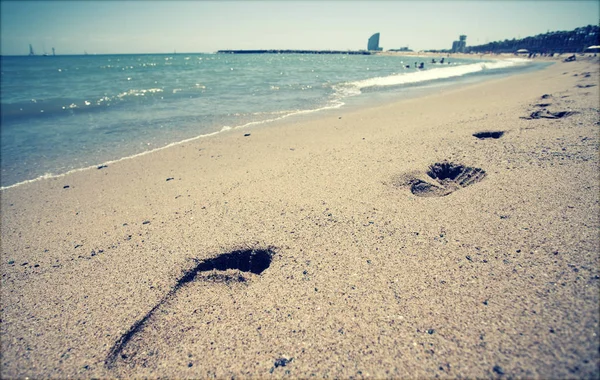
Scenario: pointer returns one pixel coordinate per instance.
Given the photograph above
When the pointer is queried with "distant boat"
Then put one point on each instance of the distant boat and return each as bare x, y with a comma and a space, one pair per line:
85, 52
31, 50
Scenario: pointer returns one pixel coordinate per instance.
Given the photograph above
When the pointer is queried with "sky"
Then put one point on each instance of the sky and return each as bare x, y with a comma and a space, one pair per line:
145, 26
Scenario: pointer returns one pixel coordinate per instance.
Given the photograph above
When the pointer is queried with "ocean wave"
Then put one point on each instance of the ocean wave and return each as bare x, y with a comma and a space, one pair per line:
49, 107
355, 88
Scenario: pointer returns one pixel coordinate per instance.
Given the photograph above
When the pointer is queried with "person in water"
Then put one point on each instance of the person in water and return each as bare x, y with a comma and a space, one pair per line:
422, 65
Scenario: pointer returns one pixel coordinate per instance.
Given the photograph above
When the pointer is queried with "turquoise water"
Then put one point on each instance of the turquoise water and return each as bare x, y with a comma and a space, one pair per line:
70, 112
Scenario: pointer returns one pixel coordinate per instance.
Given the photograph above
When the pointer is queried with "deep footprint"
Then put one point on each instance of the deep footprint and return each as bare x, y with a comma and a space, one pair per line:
247, 260
449, 177
489, 135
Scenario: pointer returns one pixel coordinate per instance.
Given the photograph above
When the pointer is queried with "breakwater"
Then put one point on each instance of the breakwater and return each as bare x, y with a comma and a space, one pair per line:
352, 52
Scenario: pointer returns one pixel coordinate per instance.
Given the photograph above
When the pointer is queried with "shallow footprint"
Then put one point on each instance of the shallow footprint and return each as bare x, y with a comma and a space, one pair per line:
134, 347
425, 189
488, 135
545, 114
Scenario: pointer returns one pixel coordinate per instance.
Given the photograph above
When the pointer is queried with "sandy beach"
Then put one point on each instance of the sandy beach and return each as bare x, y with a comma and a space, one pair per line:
328, 246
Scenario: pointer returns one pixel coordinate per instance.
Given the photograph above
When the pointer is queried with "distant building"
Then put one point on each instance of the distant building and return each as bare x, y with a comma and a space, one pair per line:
374, 43
405, 48
460, 46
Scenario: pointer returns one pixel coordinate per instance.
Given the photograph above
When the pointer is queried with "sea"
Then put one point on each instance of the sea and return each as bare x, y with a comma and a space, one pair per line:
65, 113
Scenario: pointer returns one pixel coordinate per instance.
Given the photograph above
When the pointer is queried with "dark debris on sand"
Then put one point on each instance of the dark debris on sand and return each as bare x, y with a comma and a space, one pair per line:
281, 362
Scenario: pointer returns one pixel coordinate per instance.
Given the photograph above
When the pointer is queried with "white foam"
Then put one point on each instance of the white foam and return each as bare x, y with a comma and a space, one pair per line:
223, 129
354, 88
51, 175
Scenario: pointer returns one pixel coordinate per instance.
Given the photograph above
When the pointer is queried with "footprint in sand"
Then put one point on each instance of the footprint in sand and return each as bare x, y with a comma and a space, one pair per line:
131, 349
488, 135
544, 113
444, 178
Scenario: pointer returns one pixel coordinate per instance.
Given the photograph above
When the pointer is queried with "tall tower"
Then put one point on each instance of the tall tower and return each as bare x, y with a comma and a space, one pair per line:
374, 42
460, 46
462, 43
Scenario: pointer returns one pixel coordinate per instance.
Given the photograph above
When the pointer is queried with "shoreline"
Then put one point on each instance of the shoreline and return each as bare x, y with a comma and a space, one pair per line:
373, 274
298, 114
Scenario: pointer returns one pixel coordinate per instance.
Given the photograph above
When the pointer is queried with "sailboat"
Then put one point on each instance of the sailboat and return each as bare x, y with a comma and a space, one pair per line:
31, 50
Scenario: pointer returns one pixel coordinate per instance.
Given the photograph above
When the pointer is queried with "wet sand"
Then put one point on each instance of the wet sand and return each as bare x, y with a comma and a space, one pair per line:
324, 247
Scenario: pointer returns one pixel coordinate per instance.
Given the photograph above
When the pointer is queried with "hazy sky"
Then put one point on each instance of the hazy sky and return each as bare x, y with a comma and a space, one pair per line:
73, 27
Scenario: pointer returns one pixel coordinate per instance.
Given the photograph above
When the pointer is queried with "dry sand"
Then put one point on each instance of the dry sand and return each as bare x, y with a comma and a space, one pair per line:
497, 278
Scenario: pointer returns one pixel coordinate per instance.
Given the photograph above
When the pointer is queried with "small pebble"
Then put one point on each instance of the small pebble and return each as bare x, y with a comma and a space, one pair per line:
498, 370
246, 134
282, 362
170, 179
66, 186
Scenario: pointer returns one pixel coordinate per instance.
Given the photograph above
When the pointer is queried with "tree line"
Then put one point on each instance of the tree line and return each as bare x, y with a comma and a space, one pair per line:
574, 41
